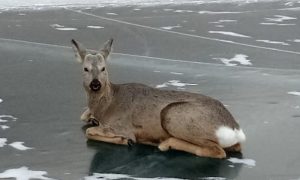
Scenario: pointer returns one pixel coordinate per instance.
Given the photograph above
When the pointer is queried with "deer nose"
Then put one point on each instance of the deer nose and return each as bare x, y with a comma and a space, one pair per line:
95, 85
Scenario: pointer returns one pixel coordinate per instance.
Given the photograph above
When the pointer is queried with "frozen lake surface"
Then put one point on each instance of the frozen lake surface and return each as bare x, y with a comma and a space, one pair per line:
246, 54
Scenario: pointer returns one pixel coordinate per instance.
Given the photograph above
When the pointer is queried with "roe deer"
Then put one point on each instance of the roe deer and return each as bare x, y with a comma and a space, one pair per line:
129, 113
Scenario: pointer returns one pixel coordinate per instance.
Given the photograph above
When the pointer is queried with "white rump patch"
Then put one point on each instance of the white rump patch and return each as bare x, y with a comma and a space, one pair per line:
228, 137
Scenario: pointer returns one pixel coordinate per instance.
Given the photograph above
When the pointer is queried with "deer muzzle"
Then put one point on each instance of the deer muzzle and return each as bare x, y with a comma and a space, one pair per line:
95, 85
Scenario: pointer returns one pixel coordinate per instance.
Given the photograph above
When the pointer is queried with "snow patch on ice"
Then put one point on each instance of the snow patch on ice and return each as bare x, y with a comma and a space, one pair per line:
3, 127
182, 11
248, 162
295, 40
5, 118
3, 142
1, 100
239, 58
223, 21
62, 28
22, 14
273, 42
66, 29
137, 9
280, 18
19, 146
295, 93
220, 12
23, 173
113, 14
100, 176
229, 33
277, 24
95, 27
175, 83
170, 27
176, 73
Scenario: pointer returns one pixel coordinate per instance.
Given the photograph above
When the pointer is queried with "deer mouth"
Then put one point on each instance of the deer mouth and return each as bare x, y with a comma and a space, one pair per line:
95, 85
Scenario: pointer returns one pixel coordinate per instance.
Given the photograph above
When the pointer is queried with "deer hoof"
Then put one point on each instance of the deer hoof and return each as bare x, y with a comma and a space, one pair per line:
93, 121
130, 142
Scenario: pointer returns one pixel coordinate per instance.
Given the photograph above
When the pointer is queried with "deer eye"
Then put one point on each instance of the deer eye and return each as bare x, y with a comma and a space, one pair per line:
103, 69
86, 69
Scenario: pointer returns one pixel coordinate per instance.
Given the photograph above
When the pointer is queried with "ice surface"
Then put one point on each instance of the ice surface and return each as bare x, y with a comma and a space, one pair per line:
38, 4
3, 142
100, 176
248, 162
175, 83
229, 33
239, 58
23, 173
296, 93
273, 42
19, 146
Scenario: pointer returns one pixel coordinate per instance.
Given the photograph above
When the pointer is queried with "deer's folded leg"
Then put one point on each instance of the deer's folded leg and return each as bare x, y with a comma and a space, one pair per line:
207, 149
107, 135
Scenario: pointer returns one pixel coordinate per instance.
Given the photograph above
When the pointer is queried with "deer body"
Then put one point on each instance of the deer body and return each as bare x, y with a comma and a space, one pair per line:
178, 120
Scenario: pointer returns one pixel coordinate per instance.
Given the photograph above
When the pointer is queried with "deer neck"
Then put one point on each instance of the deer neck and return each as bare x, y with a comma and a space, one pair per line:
99, 102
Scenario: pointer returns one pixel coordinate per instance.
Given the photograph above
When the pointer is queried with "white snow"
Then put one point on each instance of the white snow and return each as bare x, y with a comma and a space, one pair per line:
170, 27
23, 173
3, 127
5, 118
62, 28
175, 83
137, 9
277, 24
182, 11
229, 33
280, 18
176, 73
220, 12
114, 14
100, 176
3, 142
295, 40
223, 21
19, 146
56, 25
296, 93
95, 27
66, 29
1, 100
248, 162
273, 42
39, 4
238, 58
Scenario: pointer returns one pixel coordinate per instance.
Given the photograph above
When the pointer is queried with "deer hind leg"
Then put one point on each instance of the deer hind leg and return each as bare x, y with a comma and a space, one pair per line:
205, 149
235, 148
106, 135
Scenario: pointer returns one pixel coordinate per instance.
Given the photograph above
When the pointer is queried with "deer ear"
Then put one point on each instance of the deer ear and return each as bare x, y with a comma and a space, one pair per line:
107, 48
79, 49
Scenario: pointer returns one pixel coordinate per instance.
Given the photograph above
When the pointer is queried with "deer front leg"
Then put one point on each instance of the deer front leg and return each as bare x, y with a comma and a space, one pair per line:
107, 134
89, 118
